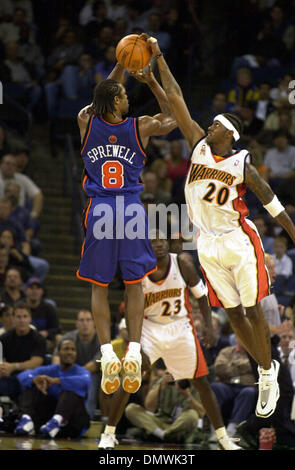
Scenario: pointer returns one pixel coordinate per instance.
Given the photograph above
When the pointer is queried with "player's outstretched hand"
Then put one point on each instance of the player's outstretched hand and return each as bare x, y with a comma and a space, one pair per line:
144, 76
152, 42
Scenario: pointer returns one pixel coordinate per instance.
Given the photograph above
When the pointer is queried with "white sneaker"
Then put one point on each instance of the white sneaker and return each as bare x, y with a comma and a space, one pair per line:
110, 367
269, 391
228, 443
107, 441
132, 368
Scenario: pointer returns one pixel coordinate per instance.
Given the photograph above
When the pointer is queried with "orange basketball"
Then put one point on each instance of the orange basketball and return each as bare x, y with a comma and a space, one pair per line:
133, 53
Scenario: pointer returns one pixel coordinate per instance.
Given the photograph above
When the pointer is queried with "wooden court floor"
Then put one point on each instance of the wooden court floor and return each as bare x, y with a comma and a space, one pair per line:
32, 443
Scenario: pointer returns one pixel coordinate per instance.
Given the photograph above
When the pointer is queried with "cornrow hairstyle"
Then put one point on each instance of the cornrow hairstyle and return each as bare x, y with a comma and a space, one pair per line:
235, 121
103, 97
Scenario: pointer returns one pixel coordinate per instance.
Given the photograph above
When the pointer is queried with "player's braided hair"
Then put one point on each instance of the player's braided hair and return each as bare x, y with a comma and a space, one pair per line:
236, 121
103, 96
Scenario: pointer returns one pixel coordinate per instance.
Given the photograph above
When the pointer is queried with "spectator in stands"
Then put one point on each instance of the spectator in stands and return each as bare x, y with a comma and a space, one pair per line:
120, 29
116, 9
176, 163
4, 259
218, 106
40, 265
96, 20
286, 346
8, 7
154, 30
75, 84
55, 395
12, 292
159, 166
274, 122
11, 31
220, 340
44, 314
6, 318
134, 17
284, 265
171, 410
104, 67
282, 27
29, 191
244, 90
23, 348
235, 386
252, 125
7, 222
19, 83
100, 41
22, 159
30, 53
16, 257
281, 92
20, 213
66, 53
88, 353
151, 187
264, 104
263, 228
4, 147
280, 159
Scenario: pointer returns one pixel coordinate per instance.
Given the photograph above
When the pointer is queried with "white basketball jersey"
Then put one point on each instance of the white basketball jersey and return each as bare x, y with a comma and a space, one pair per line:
166, 301
214, 189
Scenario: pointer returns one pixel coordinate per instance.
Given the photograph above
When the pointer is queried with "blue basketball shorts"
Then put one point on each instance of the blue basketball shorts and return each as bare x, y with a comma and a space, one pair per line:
116, 237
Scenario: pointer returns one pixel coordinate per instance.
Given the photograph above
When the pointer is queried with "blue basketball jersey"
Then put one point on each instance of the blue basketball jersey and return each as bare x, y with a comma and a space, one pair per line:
113, 157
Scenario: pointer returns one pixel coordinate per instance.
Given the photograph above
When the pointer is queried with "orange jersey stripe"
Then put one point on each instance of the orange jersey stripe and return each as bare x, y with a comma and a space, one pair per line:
91, 280
201, 368
214, 300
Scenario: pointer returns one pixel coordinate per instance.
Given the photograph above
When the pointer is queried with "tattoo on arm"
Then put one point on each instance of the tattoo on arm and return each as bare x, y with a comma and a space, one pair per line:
258, 185
169, 83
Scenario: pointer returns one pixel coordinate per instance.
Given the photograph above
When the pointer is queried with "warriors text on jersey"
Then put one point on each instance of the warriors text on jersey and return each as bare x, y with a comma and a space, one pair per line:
166, 301
113, 157
214, 190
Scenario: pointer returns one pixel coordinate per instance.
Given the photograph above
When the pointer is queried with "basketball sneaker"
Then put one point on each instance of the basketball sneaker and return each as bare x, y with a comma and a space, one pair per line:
25, 427
110, 367
228, 443
50, 429
268, 390
107, 441
132, 368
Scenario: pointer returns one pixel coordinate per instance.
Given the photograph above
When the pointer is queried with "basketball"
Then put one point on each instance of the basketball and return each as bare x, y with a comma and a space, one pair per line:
132, 53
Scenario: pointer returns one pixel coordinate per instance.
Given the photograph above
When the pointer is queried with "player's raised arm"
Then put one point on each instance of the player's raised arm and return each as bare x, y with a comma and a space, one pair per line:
147, 76
189, 128
117, 73
269, 200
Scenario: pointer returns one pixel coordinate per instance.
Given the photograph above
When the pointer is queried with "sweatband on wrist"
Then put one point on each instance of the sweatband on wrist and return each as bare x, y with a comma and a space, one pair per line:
199, 290
226, 123
274, 207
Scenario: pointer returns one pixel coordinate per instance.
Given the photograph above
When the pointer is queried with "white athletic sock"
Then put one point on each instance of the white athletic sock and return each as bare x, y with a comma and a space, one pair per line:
134, 347
58, 418
106, 348
26, 416
221, 432
160, 433
110, 430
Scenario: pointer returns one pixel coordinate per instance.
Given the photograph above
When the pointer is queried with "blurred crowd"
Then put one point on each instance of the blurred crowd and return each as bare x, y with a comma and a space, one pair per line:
52, 55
